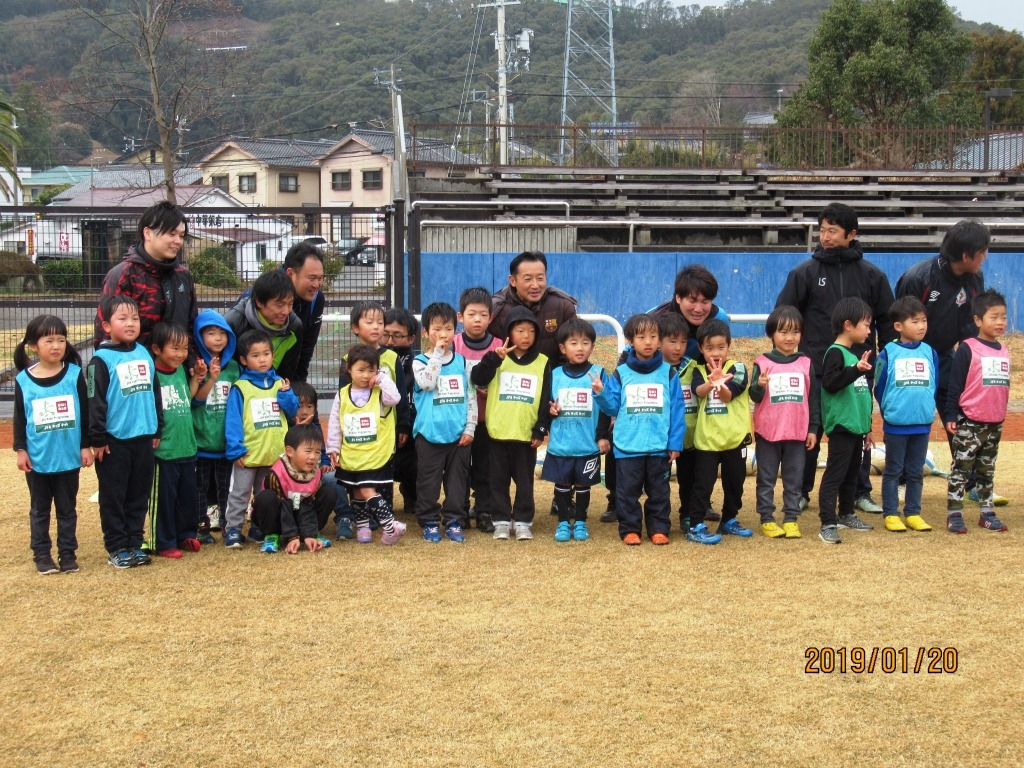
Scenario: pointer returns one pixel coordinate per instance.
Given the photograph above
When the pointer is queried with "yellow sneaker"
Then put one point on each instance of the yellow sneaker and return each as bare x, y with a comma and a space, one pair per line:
772, 530
917, 523
792, 530
893, 523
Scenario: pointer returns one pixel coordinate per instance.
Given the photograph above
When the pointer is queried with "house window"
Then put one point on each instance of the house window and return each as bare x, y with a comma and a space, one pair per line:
247, 183
288, 182
261, 252
373, 179
341, 180
220, 182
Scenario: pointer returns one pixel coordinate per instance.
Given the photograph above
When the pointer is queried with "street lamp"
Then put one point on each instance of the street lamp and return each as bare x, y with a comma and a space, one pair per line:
780, 97
992, 93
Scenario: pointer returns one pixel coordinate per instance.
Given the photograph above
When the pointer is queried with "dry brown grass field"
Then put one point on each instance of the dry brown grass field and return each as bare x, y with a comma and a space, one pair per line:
518, 653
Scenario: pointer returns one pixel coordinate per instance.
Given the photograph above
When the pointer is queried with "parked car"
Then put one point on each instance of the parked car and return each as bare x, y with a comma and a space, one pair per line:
356, 251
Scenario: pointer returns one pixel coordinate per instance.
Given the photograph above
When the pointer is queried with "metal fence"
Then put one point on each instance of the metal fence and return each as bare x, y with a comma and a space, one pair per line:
635, 146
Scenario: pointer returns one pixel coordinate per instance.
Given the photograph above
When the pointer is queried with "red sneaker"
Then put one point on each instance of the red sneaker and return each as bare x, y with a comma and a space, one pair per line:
632, 539
659, 539
174, 553
190, 545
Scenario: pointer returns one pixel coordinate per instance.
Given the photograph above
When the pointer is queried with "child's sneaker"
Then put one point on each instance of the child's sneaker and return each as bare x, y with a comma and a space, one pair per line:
660, 539
804, 503
397, 532
454, 533
45, 565
68, 563
791, 529
711, 516
171, 552
502, 529
997, 500
733, 527
324, 541
121, 559
989, 521
233, 539
893, 523
190, 545
610, 515
139, 557
772, 530
255, 533
830, 534
432, 533
271, 544
917, 523
631, 539
580, 532
213, 512
364, 534
955, 523
562, 531
854, 523
867, 504
203, 535
524, 531
484, 524
345, 532
700, 534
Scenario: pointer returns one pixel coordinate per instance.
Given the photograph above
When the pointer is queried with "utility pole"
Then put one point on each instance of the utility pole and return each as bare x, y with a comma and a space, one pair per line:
518, 56
399, 170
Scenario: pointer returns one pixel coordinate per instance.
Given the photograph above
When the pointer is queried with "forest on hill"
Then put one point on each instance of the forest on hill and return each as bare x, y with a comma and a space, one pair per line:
310, 68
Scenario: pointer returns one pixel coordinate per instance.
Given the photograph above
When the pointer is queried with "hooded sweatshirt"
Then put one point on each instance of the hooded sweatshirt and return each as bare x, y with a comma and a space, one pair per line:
517, 402
286, 340
164, 290
208, 415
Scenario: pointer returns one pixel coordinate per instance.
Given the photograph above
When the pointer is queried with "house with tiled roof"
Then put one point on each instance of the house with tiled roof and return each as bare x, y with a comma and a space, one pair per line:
267, 172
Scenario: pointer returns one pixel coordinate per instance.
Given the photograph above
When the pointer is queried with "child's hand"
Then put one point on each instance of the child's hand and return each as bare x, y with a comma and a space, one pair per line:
214, 372
465, 440
503, 350
535, 443
25, 463
951, 427
864, 364
199, 370
672, 456
334, 459
305, 419
716, 375
313, 544
762, 380
86, 457
595, 382
402, 439
292, 547
240, 462
100, 452
604, 446
156, 443
285, 385
869, 442
553, 409
811, 441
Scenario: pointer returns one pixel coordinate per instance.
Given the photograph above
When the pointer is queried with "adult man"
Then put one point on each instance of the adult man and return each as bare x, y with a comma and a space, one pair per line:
946, 285
304, 265
154, 274
695, 292
528, 287
837, 270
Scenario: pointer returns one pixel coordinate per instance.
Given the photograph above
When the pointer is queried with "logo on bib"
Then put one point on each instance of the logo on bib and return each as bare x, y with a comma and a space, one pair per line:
53, 413
133, 377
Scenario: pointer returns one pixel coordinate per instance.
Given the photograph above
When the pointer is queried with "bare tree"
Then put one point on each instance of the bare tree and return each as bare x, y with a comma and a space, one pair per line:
162, 60
701, 100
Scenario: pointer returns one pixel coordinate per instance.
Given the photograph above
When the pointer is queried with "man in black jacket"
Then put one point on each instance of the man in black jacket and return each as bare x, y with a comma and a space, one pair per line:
837, 270
947, 284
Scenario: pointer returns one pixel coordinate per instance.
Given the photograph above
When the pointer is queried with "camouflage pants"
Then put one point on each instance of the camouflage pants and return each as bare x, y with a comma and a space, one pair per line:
975, 447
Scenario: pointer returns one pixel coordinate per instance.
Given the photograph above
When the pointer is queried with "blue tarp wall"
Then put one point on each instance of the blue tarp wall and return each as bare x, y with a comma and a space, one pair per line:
622, 284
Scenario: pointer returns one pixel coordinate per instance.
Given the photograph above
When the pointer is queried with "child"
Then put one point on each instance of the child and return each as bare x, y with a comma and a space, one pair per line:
400, 334
646, 401
258, 407
125, 417
846, 413
573, 460
361, 441
473, 343
906, 375
787, 416
215, 343
516, 422
674, 330
48, 396
722, 433
173, 515
296, 501
979, 389
443, 427
307, 414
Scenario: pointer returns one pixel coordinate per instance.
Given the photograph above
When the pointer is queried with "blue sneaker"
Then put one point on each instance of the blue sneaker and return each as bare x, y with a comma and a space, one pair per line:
324, 541
345, 532
454, 532
700, 534
233, 539
120, 559
562, 531
255, 533
432, 533
733, 528
271, 544
138, 557
579, 531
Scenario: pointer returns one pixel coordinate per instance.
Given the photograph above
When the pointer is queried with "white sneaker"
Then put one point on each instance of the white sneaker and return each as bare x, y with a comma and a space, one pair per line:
523, 532
867, 504
501, 529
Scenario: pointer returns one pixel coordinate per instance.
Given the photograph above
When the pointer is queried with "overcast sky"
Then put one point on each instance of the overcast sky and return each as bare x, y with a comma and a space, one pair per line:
1008, 14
